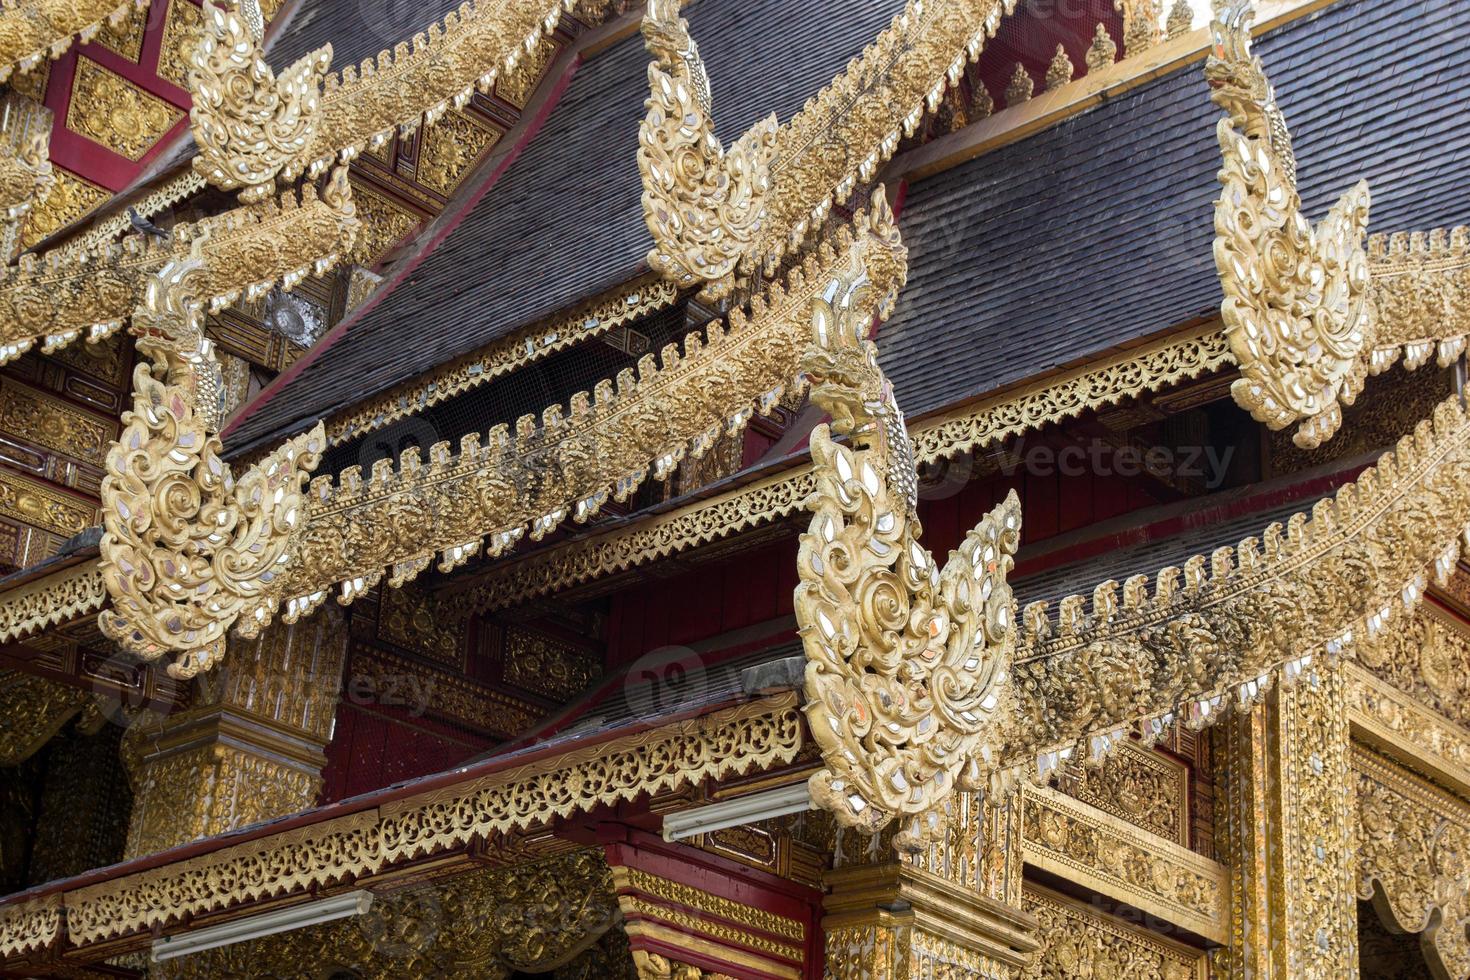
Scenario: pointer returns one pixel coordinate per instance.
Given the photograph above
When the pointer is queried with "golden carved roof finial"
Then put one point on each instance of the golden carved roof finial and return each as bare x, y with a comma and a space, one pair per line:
703, 204
1298, 307
251, 126
1102, 52
187, 550
1060, 71
906, 662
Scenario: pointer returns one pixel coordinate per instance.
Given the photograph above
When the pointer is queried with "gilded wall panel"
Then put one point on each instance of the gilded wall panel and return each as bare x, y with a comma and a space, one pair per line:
1147, 789
1105, 853
383, 224
181, 32
1082, 943
110, 110
1427, 657
547, 666
52, 423
450, 148
36, 503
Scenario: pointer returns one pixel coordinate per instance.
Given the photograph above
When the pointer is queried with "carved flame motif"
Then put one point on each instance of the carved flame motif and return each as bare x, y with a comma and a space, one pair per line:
251, 126
906, 662
187, 549
1298, 307
704, 205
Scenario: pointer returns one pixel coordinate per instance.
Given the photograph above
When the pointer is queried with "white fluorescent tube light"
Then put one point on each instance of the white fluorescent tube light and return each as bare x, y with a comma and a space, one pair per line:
733, 813
267, 924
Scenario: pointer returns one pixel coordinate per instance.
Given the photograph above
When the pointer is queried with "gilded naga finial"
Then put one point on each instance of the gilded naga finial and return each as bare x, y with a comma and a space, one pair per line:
188, 550
1298, 306
251, 125
703, 204
907, 662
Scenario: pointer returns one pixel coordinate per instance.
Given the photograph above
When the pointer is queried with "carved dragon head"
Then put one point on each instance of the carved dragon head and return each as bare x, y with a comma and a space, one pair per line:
1240, 84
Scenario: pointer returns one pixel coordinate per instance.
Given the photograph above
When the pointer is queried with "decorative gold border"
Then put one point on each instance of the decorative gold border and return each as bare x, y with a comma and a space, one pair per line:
50, 601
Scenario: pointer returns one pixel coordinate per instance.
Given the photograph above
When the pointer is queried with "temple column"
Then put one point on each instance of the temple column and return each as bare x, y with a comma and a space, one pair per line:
251, 746
1285, 825
952, 911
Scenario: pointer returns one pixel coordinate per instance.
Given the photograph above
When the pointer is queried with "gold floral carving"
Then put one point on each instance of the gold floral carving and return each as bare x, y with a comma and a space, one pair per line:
991, 421
1220, 628
182, 31
757, 735
71, 197
50, 601
450, 148
26, 174
42, 505
1298, 303
33, 30
601, 448
906, 662
110, 110
703, 204
53, 423
1081, 942
1421, 290
250, 126
1427, 658
489, 924
592, 319
547, 666
32, 709
187, 549
516, 87
450, 695
333, 117
63, 295
1099, 851
1396, 721
1141, 786
384, 222
29, 926
1413, 858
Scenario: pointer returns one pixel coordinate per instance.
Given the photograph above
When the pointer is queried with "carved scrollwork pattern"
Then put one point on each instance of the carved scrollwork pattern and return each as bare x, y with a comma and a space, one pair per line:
906, 662
187, 549
703, 204
33, 30
251, 126
1298, 307
1414, 858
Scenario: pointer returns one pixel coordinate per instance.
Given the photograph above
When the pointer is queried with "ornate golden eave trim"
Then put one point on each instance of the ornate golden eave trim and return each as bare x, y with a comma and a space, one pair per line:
1396, 724
1221, 629
33, 30
771, 498
602, 448
760, 734
360, 107
588, 320
50, 601
64, 295
29, 926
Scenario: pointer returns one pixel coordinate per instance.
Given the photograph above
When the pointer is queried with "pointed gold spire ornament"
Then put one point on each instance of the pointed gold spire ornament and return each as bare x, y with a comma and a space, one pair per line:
1060, 71
1298, 307
1140, 25
1020, 87
1181, 19
907, 663
1102, 52
703, 204
187, 549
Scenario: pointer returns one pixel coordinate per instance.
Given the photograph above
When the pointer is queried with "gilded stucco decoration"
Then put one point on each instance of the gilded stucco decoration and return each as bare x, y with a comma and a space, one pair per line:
906, 661
250, 125
1079, 941
33, 30
600, 448
1413, 854
1298, 306
112, 111
703, 204
188, 549
63, 295
1219, 629
258, 126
